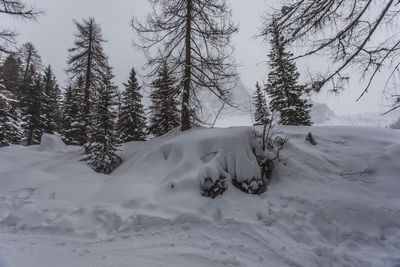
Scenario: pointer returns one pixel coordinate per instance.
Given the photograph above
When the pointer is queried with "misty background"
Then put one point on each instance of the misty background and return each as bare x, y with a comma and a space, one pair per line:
52, 35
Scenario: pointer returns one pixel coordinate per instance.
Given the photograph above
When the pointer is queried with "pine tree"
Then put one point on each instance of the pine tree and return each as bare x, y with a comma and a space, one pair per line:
131, 120
11, 72
101, 148
73, 121
261, 113
282, 86
10, 117
164, 108
10, 132
87, 60
51, 102
32, 119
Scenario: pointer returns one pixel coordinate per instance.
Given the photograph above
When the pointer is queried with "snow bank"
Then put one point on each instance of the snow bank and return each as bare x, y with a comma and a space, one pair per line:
55, 211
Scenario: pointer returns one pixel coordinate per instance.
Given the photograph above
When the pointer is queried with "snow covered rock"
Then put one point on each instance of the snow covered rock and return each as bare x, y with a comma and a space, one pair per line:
51, 143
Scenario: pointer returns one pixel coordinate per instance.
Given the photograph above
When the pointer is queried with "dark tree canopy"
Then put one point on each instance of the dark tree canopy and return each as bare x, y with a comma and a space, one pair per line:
51, 99
352, 33
32, 119
10, 132
73, 122
193, 38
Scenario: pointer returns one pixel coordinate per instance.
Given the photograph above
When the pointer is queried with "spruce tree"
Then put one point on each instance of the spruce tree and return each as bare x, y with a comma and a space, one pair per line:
164, 109
32, 119
11, 72
100, 150
282, 86
10, 132
87, 60
51, 102
261, 113
131, 119
73, 122
10, 116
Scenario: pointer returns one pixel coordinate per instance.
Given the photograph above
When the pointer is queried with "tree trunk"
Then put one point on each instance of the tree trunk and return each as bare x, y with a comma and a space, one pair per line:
185, 113
88, 73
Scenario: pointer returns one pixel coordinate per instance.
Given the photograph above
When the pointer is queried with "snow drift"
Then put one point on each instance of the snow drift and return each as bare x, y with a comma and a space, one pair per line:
56, 211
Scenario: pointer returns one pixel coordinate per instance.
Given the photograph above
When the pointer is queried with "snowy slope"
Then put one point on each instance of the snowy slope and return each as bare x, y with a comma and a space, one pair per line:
55, 211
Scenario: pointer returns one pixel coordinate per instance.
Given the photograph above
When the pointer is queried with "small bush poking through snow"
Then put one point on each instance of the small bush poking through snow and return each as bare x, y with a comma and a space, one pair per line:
212, 189
213, 177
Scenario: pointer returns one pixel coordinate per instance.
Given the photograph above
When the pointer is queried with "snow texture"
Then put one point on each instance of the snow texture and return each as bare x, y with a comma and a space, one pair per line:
56, 211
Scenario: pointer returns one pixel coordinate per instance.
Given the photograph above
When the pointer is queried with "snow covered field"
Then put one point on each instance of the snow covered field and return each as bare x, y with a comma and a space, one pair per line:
55, 211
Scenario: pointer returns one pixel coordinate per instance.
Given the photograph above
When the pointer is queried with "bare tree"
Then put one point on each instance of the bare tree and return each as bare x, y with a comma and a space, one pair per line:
353, 33
15, 8
193, 38
87, 59
29, 56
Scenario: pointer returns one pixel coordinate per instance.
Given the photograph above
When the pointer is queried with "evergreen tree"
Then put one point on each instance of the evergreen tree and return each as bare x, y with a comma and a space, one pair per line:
10, 117
10, 132
164, 108
87, 60
131, 121
282, 86
11, 72
51, 101
261, 113
101, 148
32, 110
73, 122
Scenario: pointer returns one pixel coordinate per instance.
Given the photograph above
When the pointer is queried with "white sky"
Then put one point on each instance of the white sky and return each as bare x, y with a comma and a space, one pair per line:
52, 35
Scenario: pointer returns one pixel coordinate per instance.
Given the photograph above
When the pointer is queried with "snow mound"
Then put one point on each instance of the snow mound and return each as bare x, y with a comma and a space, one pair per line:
50, 142
321, 208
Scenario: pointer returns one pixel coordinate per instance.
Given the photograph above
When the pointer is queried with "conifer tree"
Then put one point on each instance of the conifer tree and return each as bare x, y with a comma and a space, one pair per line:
100, 150
164, 108
87, 60
32, 119
50, 105
10, 132
131, 119
283, 87
10, 117
261, 113
73, 122
11, 72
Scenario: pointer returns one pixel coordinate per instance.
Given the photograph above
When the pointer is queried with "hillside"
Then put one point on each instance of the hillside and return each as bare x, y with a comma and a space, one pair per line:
55, 211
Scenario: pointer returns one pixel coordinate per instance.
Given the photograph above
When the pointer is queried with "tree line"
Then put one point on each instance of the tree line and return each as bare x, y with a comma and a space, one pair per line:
91, 111
188, 47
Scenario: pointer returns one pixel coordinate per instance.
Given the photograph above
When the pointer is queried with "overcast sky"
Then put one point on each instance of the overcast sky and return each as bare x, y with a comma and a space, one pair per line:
52, 35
